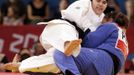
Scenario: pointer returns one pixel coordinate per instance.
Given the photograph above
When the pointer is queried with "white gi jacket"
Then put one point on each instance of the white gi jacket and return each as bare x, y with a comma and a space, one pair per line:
81, 12
57, 32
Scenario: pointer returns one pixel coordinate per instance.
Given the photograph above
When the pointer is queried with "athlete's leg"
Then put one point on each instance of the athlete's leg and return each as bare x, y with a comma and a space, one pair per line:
95, 59
88, 62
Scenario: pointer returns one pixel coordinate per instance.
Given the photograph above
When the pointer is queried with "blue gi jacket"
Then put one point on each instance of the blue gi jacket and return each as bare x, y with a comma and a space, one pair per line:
108, 37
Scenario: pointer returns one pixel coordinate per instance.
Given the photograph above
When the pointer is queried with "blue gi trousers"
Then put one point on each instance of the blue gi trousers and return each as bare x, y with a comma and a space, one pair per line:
88, 62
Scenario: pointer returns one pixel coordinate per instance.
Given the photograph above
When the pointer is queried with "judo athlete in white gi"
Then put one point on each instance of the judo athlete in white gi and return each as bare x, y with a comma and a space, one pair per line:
85, 13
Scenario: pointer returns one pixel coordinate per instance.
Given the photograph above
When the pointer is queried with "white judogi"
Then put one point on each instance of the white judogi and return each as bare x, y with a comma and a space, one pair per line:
38, 61
57, 32
81, 12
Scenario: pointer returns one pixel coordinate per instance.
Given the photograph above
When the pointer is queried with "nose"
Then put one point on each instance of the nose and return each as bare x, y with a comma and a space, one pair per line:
102, 3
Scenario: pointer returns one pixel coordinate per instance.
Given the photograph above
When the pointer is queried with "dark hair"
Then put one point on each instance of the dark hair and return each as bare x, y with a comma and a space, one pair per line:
109, 15
121, 19
24, 56
23, 49
15, 10
109, 10
118, 18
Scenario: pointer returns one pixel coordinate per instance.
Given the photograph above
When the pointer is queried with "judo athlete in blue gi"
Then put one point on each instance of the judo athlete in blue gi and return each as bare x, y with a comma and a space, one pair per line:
104, 51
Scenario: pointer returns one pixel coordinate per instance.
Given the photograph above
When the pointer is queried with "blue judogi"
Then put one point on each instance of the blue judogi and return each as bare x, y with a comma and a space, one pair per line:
107, 37
95, 56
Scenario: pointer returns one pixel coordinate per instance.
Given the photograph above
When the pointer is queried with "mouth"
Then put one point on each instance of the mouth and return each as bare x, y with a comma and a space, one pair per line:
99, 9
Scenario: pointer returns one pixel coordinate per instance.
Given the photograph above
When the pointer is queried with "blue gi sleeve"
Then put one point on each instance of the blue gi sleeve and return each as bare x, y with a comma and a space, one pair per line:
96, 38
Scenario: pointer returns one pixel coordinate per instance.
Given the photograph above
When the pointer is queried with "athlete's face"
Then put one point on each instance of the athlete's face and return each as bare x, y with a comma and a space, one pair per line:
99, 6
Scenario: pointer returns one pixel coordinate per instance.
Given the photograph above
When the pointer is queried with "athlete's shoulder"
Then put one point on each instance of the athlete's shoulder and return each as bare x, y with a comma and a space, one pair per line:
109, 25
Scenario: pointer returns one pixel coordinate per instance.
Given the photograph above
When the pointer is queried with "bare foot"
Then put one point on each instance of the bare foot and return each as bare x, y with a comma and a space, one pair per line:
12, 66
71, 45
